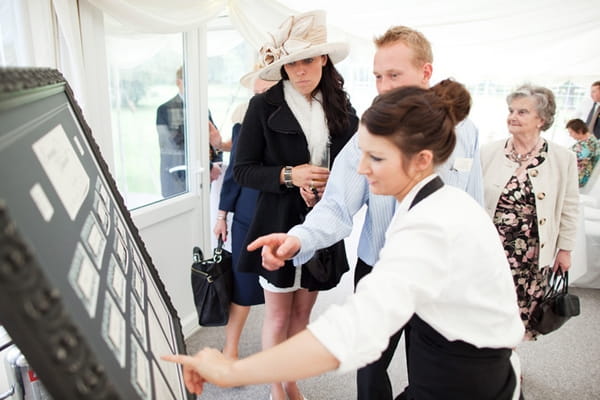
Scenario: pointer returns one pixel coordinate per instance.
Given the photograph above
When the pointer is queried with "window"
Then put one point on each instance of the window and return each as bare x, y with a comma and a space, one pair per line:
147, 115
229, 58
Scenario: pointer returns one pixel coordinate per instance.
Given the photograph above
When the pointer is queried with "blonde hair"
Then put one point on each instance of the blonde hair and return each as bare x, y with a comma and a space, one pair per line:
412, 38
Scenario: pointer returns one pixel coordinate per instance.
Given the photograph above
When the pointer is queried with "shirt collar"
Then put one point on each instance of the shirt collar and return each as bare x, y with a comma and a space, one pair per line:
407, 200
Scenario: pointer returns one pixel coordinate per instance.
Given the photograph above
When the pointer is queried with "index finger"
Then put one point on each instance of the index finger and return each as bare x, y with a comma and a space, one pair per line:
258, 243
178, 359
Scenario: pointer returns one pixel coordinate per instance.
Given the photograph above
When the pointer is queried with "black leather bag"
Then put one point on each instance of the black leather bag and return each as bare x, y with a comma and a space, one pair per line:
212, 283
556, 307
326, 268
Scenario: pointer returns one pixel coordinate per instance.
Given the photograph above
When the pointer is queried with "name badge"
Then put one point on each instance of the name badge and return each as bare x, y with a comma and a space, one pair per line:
463, 164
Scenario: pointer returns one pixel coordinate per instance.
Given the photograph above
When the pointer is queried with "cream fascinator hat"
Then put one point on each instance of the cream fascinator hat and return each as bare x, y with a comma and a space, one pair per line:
299, 37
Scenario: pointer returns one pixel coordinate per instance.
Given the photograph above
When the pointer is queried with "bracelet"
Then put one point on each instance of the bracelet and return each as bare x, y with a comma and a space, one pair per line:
222, 216
287, 177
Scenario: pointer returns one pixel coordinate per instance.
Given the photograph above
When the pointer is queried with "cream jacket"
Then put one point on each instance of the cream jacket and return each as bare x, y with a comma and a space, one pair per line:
556, 194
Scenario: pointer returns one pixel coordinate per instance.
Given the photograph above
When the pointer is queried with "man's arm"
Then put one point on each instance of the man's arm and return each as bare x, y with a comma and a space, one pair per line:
331, 219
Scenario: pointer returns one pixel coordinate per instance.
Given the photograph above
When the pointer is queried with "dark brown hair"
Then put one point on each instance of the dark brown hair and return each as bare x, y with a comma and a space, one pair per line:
336, 103
417, 119
577, 125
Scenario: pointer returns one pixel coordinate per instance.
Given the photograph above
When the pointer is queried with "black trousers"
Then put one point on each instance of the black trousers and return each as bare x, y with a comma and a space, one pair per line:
372, 381
441, 369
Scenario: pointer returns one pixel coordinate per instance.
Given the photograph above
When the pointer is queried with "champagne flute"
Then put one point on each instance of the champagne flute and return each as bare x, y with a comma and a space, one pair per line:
325, 162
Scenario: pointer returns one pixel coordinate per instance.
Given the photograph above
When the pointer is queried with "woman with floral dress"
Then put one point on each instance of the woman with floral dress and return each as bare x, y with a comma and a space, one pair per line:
587, 149
531, 194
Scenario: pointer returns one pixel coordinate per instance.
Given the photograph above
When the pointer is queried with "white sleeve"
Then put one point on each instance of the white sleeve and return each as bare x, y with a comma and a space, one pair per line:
407, 274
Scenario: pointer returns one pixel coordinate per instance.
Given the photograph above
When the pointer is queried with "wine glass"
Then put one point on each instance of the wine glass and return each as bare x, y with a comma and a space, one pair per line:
325, 162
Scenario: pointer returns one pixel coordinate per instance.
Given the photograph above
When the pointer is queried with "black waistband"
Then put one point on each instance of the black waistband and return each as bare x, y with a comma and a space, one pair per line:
458, 347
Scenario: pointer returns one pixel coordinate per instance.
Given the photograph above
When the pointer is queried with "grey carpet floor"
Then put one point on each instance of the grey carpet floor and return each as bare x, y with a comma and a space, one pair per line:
563, 365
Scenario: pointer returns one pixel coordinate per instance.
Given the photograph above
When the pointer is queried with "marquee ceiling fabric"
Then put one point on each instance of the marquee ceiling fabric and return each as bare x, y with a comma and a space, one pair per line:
501, 40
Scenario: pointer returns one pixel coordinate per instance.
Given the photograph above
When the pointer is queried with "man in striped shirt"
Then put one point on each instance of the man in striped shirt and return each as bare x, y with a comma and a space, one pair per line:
403, 58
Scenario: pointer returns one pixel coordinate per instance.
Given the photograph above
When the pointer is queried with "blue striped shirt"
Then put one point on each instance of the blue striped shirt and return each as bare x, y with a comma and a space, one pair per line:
347, 191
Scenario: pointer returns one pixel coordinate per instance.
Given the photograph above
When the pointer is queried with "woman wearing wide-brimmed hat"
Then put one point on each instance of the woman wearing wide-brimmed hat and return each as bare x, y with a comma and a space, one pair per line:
287, 132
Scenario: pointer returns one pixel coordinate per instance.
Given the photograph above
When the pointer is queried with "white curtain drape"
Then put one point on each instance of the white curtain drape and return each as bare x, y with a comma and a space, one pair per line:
27, 28
252, 18
71, 62
37, 41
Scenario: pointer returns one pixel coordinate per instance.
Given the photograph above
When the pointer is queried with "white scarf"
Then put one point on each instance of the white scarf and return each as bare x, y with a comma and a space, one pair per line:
311, 117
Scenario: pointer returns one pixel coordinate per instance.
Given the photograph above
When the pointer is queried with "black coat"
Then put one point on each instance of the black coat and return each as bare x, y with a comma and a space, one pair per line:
272, 138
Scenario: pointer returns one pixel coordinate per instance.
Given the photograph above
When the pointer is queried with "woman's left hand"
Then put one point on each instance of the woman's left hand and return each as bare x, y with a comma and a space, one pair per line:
311, 196
563, 260
208, 365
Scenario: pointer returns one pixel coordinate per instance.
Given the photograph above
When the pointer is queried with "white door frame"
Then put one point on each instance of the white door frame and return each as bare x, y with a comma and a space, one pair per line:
169, 228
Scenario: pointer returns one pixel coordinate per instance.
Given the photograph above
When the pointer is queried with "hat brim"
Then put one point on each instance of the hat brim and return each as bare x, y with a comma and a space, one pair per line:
247, 80
336, 52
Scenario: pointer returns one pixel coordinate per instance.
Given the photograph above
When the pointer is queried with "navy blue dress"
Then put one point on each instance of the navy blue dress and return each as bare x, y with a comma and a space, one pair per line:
242, 202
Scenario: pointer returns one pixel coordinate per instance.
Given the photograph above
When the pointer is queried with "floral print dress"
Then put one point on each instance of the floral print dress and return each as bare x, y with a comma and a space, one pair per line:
515, 219
588, 153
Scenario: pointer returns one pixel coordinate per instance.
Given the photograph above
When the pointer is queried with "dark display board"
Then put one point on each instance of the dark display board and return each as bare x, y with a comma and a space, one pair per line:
79, 294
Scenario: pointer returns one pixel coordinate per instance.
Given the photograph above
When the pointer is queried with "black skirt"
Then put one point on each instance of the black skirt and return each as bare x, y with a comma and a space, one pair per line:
442, 369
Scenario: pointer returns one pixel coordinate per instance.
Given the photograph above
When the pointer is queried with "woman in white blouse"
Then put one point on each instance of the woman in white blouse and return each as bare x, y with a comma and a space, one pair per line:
442, 273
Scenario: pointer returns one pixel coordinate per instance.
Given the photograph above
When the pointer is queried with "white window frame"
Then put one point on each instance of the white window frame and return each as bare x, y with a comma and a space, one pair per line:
97, 114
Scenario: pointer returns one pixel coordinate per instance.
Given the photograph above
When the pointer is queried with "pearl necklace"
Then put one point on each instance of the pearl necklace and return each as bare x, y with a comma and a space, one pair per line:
521, 158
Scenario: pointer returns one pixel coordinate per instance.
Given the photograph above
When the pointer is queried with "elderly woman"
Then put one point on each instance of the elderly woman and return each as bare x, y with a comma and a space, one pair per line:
587, 149
531, 194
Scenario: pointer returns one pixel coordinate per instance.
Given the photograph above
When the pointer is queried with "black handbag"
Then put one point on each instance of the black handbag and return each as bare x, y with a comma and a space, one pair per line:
556, 307
212, 284
325, 268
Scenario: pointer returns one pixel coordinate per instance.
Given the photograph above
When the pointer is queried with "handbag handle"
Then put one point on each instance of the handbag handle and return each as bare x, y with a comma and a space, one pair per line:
218, 252
558, 283
216, 259
197, 254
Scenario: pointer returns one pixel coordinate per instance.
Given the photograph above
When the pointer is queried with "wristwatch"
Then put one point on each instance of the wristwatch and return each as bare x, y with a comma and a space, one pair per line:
287, 177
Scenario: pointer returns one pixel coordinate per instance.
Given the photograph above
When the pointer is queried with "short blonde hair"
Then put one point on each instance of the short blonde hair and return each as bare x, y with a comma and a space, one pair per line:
413, 39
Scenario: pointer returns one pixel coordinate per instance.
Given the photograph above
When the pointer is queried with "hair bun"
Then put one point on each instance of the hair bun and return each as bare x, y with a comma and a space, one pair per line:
455, 97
